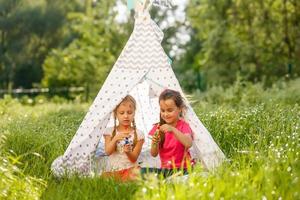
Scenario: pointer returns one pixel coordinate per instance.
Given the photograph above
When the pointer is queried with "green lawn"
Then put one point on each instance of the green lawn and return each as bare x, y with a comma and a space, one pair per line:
257, 128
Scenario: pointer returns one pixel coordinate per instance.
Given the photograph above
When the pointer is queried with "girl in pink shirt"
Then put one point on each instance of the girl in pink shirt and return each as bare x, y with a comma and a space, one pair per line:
172, 136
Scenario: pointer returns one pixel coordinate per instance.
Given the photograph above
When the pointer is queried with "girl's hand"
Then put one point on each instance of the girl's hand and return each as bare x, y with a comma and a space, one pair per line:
166, 128
127, 148
156, 139
120, 136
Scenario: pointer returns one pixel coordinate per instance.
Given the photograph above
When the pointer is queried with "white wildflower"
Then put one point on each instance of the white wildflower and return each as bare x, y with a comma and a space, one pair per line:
144, 190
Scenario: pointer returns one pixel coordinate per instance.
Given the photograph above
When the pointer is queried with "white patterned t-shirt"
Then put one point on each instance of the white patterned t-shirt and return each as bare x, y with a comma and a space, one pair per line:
118, 160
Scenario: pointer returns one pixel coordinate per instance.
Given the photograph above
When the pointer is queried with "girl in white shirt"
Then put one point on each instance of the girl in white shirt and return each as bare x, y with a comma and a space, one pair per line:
123, 142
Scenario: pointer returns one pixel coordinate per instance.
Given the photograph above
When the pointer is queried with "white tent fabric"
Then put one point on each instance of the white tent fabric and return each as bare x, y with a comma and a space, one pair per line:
142, 70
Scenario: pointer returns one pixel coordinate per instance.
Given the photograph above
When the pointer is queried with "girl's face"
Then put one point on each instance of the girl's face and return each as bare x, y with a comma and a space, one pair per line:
125, 113
169, 111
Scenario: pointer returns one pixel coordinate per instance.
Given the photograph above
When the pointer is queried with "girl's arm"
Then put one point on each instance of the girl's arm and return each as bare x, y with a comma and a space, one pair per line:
110, 144
184, 139
134, 154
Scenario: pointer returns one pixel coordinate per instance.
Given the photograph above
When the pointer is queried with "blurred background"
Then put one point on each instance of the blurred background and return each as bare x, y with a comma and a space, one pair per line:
67, 48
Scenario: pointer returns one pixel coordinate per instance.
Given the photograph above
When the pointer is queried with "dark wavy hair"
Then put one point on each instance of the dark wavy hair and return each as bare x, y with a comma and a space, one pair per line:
179, 102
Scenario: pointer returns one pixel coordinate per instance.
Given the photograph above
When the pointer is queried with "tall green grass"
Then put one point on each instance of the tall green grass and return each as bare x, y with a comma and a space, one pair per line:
14, 184
262, 144
257, 128
35, 136
259, 131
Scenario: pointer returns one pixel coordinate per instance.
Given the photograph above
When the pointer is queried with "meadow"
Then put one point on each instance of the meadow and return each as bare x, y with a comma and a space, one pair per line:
257, 128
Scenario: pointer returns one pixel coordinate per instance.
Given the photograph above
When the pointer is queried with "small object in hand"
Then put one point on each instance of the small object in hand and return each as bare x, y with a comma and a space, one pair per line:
126, 140
156, 134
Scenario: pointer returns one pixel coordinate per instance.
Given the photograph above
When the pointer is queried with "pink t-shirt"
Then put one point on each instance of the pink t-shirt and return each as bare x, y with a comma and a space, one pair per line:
172, 152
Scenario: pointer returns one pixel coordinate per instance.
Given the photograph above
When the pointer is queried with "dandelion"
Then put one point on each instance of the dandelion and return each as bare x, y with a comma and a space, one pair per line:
144, 190
40, 101
273, 192
278, 154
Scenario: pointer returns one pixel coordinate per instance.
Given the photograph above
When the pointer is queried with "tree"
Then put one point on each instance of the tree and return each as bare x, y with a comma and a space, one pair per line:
87, 60
256, 39
28, 30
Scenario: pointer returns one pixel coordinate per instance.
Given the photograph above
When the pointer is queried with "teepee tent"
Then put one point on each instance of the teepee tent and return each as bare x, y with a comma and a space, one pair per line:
142, 70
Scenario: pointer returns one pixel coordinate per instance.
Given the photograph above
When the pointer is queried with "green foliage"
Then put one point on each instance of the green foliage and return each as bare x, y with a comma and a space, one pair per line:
41, 132
89, 58
37, 100
88, 188
75, 42
243, 93
188, 66
256, 39
14, 184
28, 29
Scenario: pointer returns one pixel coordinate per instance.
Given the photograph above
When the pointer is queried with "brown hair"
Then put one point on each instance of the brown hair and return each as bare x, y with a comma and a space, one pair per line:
130, 99
179, 102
